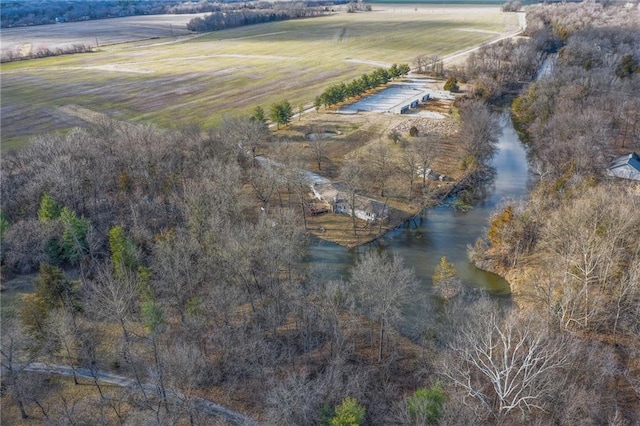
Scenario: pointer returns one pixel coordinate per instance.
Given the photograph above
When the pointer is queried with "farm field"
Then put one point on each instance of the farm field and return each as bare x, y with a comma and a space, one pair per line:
189, 80
104, 32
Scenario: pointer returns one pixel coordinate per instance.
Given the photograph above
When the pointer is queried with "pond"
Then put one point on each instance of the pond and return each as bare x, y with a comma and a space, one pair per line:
444, 231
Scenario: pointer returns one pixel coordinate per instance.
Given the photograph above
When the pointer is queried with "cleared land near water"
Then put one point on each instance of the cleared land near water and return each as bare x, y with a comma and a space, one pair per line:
197, 80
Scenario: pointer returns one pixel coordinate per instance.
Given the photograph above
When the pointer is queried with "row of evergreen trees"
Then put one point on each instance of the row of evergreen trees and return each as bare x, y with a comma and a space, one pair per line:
281, 112
338, 93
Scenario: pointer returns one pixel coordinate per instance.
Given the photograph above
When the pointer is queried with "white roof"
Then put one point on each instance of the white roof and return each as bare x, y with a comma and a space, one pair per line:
626, 167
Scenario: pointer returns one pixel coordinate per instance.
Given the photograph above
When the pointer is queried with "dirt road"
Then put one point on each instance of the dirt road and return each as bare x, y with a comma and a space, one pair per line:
200, 404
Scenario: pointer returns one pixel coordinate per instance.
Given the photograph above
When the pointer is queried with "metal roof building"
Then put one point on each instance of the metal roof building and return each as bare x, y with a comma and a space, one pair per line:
626, 167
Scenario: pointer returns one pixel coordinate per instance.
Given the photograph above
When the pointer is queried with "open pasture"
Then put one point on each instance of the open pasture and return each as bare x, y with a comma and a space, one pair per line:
196, 80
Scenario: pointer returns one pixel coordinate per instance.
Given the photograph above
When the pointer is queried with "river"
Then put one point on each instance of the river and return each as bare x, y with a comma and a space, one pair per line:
443, 230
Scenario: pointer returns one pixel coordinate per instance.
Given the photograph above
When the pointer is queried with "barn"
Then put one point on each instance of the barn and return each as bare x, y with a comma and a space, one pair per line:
626, 167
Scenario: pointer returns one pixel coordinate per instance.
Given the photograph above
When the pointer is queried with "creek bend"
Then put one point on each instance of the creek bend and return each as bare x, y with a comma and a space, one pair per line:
444, 231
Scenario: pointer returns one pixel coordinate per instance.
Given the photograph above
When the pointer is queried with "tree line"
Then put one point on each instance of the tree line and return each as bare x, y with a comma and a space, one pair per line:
9, 55
261, 13
571, 248
26, 13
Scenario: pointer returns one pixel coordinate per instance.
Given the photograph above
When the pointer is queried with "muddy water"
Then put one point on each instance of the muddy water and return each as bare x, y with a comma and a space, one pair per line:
444, 231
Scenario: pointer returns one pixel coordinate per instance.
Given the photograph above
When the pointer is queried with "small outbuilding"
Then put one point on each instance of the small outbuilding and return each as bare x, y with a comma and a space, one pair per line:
626, 167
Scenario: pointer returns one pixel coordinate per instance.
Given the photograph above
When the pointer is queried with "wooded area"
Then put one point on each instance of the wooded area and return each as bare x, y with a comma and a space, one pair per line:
154, 261
262, 12
572, 250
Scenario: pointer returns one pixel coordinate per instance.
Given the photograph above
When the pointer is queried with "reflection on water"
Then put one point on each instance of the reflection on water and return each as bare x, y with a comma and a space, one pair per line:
444, 231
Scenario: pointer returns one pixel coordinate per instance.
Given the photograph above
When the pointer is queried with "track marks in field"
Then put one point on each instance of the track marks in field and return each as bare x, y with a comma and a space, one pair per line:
366, 62
114, 68
478, 30
236, 55
118, 68
256, 36
340, 34
179, 39
84, 114
132, 67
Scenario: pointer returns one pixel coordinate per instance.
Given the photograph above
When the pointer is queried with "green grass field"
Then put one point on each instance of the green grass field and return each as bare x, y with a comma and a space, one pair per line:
199, 80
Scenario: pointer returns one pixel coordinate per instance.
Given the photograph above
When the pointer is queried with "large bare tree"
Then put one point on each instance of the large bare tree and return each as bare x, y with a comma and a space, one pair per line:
505, 363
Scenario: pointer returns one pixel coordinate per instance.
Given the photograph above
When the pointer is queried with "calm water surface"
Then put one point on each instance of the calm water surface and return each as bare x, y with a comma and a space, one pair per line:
445, 231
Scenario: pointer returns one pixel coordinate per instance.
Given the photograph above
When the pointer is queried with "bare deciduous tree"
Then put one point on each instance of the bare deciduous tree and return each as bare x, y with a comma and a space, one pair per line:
420, 63
353, 175
294, 401
116, 299
27, 243
408, 167
589, 242
505, 363
379, 165
17, 352
479, 129
382, 285
265, 181
178, 267
319, 147
426, 151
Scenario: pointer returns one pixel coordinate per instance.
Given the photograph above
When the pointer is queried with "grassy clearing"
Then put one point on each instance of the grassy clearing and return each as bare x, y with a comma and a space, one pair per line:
13, 288
201, 79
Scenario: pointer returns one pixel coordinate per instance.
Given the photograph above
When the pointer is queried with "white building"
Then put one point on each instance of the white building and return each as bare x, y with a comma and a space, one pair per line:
626, 167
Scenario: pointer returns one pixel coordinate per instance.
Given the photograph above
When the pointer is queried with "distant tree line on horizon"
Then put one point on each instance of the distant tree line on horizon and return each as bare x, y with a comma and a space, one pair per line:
261, 12
10, 55
27, 13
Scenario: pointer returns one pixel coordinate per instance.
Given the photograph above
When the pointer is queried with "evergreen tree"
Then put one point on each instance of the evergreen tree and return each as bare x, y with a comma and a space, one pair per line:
349, 413
74, 236
152, 315
444, 271
258, 114
281, 113
53, 291
49, 209
451, 84
123, 251
627, 67
425, 406
4, 223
